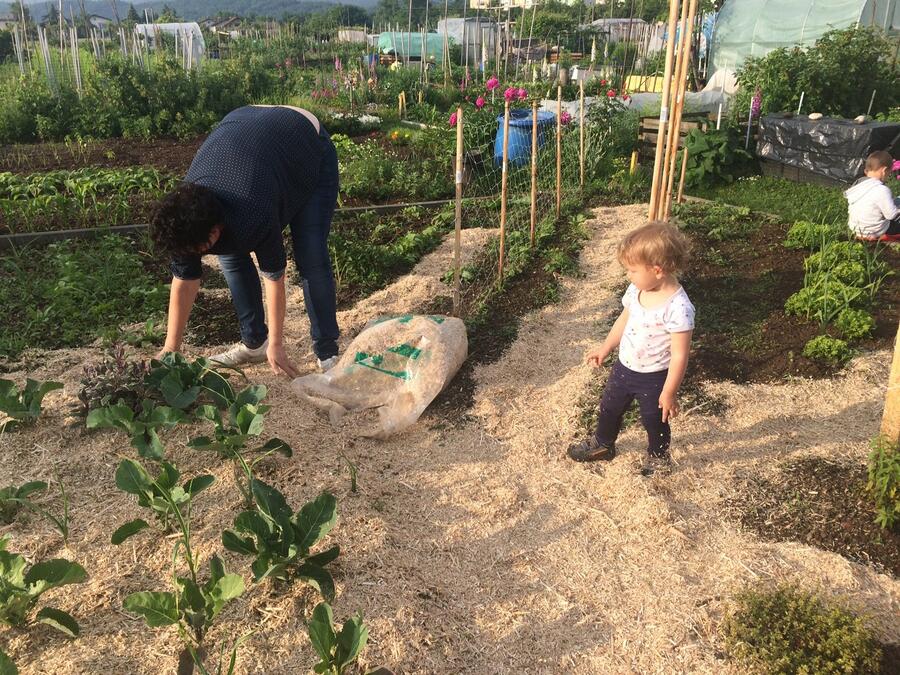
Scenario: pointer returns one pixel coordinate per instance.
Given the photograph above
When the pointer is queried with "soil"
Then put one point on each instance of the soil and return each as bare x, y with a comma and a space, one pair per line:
167, 154
742, 333
213, 321
820, 502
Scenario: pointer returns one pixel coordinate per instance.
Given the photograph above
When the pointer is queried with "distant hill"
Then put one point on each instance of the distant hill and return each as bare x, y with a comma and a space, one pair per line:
192, 10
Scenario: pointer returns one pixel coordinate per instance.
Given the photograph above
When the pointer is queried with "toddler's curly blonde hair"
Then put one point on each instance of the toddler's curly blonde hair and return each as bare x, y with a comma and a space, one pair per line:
656, 244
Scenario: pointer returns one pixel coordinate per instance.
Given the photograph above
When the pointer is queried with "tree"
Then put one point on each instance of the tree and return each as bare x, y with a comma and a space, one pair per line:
52, 18
396, 12
18, 9
132, 17
167, 15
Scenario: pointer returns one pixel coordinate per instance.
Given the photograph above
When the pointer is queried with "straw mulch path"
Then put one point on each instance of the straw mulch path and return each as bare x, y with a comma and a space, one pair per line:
481, 548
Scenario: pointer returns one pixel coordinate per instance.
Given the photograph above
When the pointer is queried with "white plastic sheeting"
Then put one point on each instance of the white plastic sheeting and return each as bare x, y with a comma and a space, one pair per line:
188, 37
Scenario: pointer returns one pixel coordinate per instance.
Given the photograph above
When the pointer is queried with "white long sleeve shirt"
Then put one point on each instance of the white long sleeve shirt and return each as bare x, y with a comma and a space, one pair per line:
871, 207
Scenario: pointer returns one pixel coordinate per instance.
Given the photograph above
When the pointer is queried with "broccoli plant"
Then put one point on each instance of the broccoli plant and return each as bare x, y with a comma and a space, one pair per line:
193, 605
20, 589
182, 383
141, 427
159, 495
244, 420
338, 651
281, 540
23, 407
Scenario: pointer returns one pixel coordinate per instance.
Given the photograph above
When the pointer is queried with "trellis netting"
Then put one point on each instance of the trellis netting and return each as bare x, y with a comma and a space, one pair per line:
746, 28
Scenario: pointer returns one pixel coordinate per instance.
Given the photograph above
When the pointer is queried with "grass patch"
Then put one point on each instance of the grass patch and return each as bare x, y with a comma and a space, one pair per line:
792, 201
70, 293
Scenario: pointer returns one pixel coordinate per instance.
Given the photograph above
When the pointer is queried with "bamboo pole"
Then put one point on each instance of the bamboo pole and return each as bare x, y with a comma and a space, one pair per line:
686, 41
664, 110
684, 160
890, 422
674, 130
459, 192
534, 150
581, 132
503, 184
558, 149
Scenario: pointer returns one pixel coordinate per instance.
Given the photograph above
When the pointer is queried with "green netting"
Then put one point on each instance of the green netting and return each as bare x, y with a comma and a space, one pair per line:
400, 43
747, 28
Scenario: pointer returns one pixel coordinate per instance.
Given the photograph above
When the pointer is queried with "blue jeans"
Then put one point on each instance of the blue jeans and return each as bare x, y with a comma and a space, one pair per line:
309, 233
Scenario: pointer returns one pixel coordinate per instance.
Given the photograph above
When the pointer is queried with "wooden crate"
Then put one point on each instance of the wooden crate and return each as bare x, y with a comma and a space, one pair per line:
649, 128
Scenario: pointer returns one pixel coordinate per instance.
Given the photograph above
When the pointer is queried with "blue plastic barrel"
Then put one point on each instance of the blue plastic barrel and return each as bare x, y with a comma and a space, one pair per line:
520, 124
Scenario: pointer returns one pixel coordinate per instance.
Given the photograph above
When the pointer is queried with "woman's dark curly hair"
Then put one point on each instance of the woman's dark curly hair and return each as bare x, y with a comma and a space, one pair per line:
183, 220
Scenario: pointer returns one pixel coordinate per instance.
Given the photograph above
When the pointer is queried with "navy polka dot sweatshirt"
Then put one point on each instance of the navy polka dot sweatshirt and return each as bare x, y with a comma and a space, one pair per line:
262, 163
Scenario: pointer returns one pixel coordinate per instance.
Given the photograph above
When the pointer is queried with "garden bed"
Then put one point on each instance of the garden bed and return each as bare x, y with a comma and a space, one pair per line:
819, 502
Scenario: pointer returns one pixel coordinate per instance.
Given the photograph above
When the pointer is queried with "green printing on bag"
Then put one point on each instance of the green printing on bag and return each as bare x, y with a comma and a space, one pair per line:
406, 350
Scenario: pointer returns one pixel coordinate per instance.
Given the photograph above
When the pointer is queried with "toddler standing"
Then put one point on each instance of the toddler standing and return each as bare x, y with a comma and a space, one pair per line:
653, 335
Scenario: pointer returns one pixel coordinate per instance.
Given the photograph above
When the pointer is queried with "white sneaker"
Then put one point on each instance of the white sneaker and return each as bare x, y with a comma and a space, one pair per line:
327, 364
241, 354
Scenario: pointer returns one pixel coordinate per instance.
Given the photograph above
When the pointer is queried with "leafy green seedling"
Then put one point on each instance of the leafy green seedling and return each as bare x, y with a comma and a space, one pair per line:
281, 540
157, 494
192, 607
20, 590
13, 498
338, 651
245, 420
141, 427
23, 407
183, 383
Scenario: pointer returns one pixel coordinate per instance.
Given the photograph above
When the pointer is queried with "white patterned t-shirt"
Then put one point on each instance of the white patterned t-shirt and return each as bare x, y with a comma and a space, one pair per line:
646, 345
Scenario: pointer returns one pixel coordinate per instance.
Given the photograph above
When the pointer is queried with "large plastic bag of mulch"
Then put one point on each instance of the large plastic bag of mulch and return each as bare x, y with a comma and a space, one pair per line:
389, 374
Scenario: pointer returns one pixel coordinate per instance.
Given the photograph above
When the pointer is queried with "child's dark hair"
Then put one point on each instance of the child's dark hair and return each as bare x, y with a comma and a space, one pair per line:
184, 219
656, 244
879, 159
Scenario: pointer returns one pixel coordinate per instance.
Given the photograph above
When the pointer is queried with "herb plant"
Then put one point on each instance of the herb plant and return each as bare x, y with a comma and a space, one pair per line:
337, 650
114, 380
20, 589
884, 481
23, 407
281, 540
855, 324
143, 427
160, 495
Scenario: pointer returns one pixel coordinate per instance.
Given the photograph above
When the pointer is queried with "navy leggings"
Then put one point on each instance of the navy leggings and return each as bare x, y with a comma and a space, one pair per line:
623, 387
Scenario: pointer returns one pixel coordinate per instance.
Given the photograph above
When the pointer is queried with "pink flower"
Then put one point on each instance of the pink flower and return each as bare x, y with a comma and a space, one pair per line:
756, 103
611, 93
565, 118
337, 62
453, 119
521, 94
510, 93
602, 83
479, 102
492, 83
625, 96
896, 166
288, 62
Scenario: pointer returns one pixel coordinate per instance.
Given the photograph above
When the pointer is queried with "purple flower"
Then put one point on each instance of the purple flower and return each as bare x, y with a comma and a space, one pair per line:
756, 103
565, 118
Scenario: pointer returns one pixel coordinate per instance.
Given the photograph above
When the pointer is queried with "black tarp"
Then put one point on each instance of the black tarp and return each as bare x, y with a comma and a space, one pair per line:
836, 149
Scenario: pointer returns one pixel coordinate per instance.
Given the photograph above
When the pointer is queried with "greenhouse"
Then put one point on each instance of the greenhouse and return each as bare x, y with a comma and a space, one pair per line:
746, 28
401, 44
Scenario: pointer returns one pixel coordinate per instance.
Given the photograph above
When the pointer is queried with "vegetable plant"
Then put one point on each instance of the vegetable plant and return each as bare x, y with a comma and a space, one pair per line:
193, 605
160, 495
813, 235
884, 481
855, 324
827, 349
245, 417
281, 540
142, 427
714, 156
337, 650
183, 383
114, 380
20, 589
13, 498
23, 407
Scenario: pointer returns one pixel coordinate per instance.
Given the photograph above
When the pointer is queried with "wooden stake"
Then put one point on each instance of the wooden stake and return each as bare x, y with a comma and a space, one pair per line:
503, 180
664, 111
679, 105
684, 160
674, 130
890, 422
534, 151
558, 150
457, 244
581, 132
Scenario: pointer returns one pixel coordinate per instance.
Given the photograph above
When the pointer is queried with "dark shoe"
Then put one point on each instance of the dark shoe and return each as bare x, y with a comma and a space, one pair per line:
590, 450
660, 465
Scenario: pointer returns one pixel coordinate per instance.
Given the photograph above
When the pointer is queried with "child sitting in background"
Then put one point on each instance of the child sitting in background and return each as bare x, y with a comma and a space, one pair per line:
873, 213
653, 335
